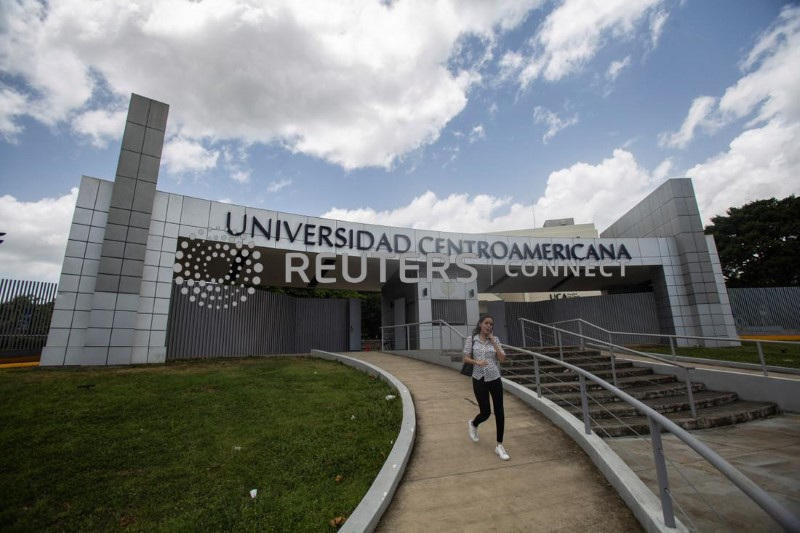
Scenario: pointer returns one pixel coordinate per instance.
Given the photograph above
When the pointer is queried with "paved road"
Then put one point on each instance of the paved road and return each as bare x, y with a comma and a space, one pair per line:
453, 484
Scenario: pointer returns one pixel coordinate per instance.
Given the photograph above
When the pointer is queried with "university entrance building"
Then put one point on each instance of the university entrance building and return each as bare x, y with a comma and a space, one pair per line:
150, 276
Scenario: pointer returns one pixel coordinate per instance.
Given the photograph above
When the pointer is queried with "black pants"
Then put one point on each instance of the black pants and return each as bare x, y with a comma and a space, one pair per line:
482, 391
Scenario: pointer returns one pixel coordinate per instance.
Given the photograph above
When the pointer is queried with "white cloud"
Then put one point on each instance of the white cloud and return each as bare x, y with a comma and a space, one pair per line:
457, 212
763, 160
699, 116
240, 176
657, 21
357, 82
36, 236
771, 89
572, 34
553, 122
592, 193
587, 193
234, 161
12, 106
616, 67
276, 186
477, 133
100, 125
185, 155
760, 163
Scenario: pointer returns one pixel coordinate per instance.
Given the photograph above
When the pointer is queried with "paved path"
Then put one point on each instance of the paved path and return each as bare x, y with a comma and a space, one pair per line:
767, 451
453, 484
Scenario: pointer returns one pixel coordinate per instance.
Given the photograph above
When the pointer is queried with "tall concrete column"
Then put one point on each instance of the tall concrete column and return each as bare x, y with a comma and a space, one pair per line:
112, 322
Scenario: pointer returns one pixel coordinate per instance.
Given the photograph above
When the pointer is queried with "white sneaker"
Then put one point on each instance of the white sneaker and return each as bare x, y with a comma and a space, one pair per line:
499, 450
473, 431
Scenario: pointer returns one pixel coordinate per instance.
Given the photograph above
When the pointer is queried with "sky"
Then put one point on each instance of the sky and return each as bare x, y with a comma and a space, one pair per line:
452, 115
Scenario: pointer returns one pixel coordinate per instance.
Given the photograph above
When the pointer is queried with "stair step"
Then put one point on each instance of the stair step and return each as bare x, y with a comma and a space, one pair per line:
612, 417
671, 404
708, 417
544, 367
624, 383
568, 354
660, 390
570, 376
577, 361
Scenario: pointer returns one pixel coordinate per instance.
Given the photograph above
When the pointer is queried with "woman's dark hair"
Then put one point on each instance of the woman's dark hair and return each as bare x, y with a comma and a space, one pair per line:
480, 321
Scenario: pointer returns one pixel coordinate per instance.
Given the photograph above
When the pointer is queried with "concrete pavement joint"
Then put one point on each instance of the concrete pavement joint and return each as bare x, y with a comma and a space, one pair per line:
481, 470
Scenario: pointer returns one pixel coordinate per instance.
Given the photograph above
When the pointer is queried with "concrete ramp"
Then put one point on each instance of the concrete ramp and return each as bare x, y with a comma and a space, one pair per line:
454, 484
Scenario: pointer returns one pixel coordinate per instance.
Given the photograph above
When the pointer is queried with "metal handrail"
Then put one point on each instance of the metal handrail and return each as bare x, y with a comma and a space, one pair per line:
605, 344
585, 337
687, 369
689, 391
673, 338
728, 339
438, 322
657, 421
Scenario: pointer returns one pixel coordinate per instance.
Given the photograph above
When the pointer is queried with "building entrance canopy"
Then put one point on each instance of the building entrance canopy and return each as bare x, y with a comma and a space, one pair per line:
132, 249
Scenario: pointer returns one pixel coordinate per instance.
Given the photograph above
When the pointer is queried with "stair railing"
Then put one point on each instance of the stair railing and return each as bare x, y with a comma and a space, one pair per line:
558, 334
673, 339
687, 378
390, 333
657, 422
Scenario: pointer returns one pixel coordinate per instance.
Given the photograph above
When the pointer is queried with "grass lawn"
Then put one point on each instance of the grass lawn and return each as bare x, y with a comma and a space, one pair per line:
178, 447
774, 354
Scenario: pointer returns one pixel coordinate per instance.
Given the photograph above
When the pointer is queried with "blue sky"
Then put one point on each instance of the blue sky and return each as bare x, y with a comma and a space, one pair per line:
455, 115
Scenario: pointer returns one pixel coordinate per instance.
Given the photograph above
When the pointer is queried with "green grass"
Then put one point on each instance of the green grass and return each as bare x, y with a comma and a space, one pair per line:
774, 354
178, 447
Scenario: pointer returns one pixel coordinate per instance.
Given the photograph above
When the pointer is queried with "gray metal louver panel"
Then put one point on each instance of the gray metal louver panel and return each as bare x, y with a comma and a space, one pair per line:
634, 312
454, 312
26, 308
265, 323
766, 309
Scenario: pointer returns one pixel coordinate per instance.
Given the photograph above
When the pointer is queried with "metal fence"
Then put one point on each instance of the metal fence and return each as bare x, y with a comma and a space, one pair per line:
26, 308
622, 312
266, 323
766, 309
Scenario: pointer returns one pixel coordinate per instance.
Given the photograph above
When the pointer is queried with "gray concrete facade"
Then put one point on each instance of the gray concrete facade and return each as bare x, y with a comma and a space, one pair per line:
96, 314
691, 294
132, 247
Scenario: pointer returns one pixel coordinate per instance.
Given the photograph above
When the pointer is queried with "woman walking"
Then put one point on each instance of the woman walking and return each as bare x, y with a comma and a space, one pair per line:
483, 350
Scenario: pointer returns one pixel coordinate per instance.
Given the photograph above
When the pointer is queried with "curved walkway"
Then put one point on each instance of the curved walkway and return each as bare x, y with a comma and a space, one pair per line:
453, 484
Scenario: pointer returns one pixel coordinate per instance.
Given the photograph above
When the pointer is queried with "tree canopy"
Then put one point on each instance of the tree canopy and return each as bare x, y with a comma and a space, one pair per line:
758, 243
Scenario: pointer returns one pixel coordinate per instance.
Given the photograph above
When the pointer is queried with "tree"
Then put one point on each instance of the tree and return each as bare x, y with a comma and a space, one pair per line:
758, 243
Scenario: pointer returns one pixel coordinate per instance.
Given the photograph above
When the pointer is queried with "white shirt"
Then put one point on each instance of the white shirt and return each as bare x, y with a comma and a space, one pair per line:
483, 351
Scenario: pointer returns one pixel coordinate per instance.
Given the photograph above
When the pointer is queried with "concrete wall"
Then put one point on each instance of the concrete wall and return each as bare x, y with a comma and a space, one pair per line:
128, 241
690, 291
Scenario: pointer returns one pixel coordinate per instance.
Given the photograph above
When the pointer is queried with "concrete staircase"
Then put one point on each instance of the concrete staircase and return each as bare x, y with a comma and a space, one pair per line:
612, 417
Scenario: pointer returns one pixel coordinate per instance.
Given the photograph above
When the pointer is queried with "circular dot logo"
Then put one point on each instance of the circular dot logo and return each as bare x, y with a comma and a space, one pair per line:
217, 272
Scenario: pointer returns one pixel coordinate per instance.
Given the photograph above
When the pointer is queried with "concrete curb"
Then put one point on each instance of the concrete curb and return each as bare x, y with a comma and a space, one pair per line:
366, 516
639, 498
